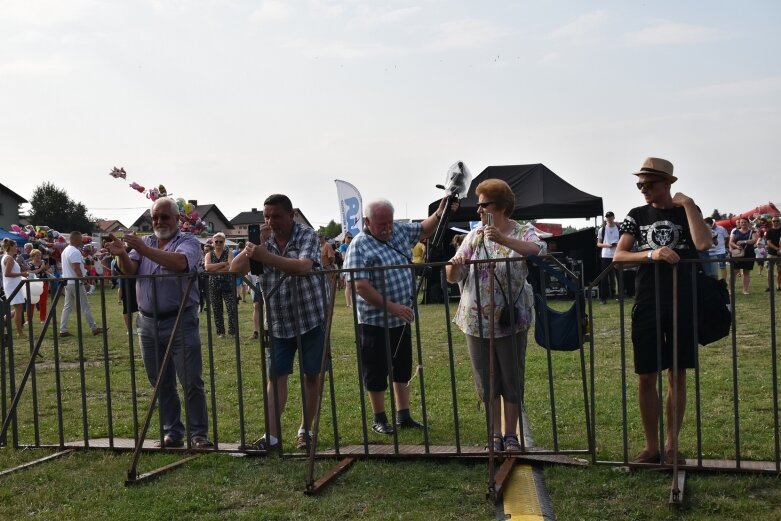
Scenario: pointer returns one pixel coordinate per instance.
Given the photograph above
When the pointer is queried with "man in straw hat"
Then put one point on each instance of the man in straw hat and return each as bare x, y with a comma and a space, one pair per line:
667, 229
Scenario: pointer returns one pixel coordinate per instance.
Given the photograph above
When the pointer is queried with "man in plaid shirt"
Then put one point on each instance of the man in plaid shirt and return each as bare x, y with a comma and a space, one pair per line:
296, 310
386, 295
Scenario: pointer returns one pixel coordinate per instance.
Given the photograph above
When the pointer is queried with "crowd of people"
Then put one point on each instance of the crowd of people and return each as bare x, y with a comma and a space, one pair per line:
494, 315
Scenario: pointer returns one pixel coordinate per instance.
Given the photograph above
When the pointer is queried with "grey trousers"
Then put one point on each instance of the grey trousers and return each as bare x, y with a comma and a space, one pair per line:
70, 303
186, 364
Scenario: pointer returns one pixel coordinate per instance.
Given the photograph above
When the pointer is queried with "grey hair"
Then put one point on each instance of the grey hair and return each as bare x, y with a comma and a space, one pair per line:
171, 205
374, 205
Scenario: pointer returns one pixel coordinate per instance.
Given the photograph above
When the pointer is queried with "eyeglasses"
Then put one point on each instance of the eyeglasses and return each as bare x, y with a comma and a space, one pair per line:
647, 185
485, 205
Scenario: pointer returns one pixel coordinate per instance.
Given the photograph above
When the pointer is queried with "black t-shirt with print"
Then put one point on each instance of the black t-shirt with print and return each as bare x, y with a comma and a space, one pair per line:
652, 229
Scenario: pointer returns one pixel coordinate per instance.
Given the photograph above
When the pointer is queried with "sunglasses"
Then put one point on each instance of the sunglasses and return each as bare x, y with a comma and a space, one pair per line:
774, 221
647, 185
485, 204
218, 242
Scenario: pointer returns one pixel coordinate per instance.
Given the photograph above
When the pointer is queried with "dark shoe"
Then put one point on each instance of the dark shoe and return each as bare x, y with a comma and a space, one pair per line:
767, 290
254, 335
98, 330
63, 334
408, 423
201, 442
261, 444
498, 443
511, 443
302, 441
169, 442
382, 427
644, 456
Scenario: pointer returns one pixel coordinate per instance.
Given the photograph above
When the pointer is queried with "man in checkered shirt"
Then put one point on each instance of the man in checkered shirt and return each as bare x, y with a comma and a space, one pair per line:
386, 295
296, 310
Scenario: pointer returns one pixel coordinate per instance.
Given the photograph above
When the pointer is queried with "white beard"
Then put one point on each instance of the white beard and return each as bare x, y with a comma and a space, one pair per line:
164, 233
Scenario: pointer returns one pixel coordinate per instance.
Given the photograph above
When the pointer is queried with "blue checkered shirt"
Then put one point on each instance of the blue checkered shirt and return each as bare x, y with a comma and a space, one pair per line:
367, 252
303, 244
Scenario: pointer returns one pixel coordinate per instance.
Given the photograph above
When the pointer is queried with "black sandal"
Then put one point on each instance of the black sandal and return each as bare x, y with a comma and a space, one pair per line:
511, 443
498, 442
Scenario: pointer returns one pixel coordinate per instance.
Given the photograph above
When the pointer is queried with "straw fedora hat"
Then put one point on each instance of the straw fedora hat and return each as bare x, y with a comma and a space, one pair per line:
657, 166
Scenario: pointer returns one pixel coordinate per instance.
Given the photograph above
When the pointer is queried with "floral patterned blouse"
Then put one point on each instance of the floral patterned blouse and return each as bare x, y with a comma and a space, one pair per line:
468, 317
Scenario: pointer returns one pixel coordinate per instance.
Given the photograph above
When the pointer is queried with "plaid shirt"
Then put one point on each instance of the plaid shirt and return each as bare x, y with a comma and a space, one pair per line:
367, 252
303, 244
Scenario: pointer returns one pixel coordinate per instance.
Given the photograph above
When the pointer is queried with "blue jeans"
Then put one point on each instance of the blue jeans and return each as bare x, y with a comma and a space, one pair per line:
153, 337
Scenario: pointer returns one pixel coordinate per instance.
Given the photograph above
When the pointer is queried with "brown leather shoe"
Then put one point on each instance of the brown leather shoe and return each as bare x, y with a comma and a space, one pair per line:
63, 334
169, 442
98, 330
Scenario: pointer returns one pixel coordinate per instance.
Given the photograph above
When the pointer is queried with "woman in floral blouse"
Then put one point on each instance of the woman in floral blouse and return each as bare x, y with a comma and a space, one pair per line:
504, 238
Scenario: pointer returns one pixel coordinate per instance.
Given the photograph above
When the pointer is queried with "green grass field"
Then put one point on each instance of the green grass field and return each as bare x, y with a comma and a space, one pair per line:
89, 484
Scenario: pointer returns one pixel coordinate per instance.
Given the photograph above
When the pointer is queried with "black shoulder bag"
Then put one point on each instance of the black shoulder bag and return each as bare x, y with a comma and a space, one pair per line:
565, 331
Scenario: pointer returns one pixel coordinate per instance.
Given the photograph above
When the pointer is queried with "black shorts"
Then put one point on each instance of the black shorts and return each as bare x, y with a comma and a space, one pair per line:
374, 361
644, 338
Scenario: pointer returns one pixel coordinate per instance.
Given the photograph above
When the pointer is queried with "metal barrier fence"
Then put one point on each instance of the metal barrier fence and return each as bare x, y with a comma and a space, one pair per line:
84, 391
735, 399
88, 392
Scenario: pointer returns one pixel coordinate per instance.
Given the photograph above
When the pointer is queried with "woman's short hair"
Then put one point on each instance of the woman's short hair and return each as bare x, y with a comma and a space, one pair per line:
35, 252
499, 193
219, 235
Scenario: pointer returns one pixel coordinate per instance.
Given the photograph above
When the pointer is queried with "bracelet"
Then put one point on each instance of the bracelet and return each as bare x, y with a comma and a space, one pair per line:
650, 254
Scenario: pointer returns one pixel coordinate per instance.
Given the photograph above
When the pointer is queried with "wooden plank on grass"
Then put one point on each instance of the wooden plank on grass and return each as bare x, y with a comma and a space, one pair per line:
333, 473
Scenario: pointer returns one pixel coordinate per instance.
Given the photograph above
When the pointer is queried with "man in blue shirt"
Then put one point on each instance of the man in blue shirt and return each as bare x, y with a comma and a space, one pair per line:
385, 296
167, 252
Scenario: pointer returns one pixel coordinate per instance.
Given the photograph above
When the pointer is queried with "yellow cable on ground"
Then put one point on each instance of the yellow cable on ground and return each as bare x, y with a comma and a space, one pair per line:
520, 496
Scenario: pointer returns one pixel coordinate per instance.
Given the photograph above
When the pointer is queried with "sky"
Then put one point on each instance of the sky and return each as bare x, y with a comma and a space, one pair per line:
229, 101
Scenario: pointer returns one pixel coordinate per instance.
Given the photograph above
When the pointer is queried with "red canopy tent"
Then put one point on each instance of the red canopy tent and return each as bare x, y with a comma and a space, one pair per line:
765, 209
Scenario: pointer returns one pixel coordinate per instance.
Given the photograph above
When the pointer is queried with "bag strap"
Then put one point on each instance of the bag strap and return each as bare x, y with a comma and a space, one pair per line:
504, 295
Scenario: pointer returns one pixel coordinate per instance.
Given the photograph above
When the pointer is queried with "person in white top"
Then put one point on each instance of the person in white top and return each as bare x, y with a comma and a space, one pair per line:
719, 249
12, 277
73, 267
607, 238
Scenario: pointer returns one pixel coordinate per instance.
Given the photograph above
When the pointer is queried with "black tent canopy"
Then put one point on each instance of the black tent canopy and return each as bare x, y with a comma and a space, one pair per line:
539, 194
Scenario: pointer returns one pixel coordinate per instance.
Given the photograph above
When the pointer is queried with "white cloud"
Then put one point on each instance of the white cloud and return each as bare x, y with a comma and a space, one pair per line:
271, 11
550, 57
47, 66
44, 12
584, 27
465, 34
747, 89
664, 32
345, 50
370, 16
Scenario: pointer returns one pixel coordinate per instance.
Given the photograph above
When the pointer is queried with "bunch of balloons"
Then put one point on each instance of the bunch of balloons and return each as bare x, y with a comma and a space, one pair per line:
189, 220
